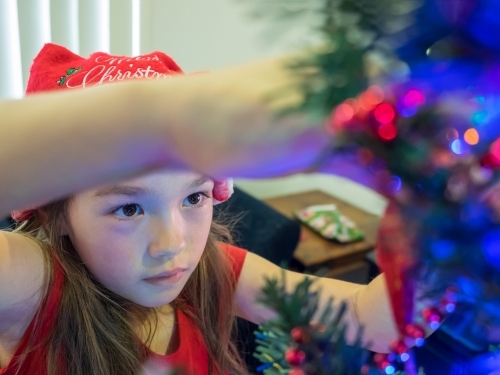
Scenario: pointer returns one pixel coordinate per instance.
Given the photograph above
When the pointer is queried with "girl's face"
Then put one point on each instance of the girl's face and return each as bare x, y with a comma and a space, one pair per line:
143, 238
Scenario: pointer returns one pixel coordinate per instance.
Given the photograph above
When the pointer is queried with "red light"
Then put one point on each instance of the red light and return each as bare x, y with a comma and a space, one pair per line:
384, 113
387, 131
370, 98
495, 150
354, 104
344, 113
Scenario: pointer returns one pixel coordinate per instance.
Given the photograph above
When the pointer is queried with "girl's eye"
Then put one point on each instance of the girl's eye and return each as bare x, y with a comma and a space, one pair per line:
196, 199
129, 210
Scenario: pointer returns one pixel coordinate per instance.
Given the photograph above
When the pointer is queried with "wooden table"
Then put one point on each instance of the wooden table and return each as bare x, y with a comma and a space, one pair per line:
315, 252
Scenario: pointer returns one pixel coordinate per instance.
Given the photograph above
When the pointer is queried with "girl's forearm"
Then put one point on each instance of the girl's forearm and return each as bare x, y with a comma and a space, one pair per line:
225, 118
373, 311
367, 306
55, 144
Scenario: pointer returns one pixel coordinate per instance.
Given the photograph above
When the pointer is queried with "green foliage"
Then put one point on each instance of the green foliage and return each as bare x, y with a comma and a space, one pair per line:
324, 341
348, 29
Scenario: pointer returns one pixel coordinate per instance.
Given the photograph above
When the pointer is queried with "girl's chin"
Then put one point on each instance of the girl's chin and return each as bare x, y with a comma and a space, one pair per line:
154, 296
156, 301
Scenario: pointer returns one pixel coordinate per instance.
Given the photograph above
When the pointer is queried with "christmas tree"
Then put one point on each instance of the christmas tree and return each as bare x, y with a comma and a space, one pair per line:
291, 344
426, 126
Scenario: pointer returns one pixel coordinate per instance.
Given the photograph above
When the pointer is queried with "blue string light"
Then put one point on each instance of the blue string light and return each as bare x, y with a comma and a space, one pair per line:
264, 367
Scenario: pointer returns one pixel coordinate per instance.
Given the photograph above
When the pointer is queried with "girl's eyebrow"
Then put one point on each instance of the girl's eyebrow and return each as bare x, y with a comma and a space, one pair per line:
129, 191
198, 182
133, 191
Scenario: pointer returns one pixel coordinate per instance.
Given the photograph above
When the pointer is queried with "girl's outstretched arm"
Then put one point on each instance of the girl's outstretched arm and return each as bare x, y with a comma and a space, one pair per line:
368, 305
221, 124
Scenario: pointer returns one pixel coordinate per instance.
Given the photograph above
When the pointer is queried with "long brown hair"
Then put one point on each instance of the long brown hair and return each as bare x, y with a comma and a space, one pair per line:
95, 330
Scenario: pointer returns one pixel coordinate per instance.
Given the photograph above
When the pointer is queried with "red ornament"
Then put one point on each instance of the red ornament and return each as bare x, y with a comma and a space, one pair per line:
319, 327
384, 365
296, 371
299, 335
295, 357
399, 347
381, 360
415, 331
431, 314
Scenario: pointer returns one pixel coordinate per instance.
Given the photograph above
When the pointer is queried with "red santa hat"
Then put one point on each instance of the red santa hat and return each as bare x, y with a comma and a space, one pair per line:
57, 68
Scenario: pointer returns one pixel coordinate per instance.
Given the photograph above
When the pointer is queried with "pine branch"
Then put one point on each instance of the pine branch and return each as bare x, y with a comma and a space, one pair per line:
349, 29
322, 344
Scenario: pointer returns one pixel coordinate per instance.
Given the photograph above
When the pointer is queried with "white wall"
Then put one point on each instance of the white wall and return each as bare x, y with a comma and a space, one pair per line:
11, 78
198, 34
208, 34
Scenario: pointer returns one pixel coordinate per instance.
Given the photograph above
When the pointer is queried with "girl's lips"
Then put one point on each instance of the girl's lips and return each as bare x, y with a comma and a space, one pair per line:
167, 277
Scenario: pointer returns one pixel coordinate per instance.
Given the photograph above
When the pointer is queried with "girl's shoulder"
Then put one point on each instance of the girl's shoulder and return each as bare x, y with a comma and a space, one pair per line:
22, 274
237, 257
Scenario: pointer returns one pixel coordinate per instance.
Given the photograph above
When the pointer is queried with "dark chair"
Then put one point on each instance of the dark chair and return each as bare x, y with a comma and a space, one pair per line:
6, 223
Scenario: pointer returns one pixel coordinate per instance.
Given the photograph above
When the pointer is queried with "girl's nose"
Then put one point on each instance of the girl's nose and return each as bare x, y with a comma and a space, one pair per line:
168, 239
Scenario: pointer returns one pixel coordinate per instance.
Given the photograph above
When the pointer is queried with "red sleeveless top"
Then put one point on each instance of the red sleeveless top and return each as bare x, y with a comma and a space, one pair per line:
191, 355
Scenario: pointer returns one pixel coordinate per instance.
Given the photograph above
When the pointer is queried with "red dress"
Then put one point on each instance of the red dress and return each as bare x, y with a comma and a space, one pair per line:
191, 355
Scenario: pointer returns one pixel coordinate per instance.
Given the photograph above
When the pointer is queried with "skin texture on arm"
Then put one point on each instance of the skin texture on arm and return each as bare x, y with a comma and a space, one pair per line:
21, 281
57, 143
220, 124
368, 305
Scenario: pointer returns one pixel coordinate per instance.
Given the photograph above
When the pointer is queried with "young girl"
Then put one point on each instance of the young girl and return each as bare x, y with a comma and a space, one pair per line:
126, 264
